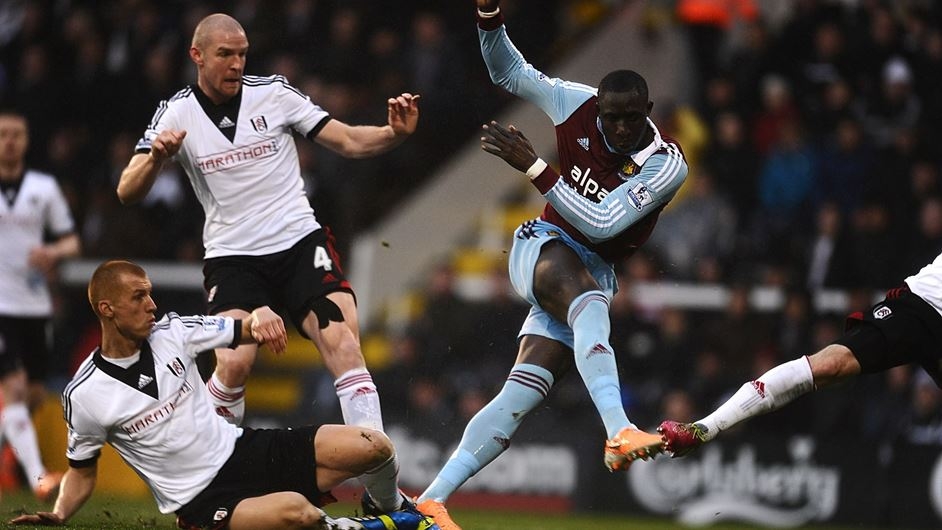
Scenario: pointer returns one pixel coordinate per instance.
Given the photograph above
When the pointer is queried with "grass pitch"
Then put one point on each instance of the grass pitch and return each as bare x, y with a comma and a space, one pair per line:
107, 512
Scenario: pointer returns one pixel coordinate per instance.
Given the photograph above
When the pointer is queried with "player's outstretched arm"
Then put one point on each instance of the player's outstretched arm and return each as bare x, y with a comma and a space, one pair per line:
138, 177
77, 486
361, 141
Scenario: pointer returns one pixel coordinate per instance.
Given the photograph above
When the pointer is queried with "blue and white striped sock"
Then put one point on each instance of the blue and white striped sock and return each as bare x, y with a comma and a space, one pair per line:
489, 432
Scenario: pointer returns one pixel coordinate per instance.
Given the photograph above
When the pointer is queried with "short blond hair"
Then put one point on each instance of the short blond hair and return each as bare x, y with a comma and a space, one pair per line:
107, 278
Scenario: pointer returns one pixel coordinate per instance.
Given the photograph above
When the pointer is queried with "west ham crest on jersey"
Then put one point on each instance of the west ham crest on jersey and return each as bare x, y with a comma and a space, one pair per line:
259, 123
628, 169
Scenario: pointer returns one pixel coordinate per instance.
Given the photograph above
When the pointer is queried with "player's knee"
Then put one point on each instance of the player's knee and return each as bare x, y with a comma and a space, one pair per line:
299, 513
375, 447
833, 363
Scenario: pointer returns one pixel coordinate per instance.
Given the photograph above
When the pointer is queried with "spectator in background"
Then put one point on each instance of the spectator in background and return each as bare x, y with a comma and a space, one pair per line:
844, 166
894, 107
786, 183
830, 259
702, 226
734, 165
32, 206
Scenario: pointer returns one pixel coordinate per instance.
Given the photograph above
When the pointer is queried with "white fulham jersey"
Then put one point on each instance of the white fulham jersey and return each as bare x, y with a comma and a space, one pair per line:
243, 163
156, 413
927, 283
37, 207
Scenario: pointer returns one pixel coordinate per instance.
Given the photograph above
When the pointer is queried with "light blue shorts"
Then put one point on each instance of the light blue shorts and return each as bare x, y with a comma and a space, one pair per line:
529, 238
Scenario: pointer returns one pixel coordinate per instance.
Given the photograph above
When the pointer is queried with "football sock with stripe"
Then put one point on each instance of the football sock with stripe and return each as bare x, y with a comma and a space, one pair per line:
229, 402
489, 432
359, 400
19, 431
771, 391
595, 360
382, 482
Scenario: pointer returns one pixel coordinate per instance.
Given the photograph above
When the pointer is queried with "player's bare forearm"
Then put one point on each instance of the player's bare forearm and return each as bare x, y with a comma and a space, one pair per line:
77, 486
138, 178
362, 141
510, 144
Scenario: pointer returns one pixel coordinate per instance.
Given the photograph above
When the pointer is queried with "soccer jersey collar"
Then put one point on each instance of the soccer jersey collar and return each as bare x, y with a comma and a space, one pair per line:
641, 156
140, 375
225, 115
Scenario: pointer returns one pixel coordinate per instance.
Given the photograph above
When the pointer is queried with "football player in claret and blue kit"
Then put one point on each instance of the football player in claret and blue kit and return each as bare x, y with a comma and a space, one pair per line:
617, 173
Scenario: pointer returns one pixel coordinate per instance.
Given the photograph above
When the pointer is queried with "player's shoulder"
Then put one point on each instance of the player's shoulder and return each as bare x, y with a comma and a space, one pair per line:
40, 176
179, 97
40, 180
268, 84
81, 380
670, 146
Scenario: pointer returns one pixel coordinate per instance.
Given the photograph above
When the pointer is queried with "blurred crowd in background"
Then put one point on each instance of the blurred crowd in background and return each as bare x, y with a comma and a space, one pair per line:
812, 143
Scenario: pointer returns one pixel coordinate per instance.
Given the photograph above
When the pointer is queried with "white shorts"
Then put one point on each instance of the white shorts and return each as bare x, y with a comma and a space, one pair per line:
529, 238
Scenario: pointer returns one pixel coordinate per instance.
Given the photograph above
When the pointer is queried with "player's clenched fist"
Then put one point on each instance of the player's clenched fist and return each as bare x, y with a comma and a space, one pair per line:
166, 144
268, 328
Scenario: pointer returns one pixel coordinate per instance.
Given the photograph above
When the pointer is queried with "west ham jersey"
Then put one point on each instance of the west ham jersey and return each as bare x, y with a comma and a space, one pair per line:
243, 164
608, 201
157, 412
35, 208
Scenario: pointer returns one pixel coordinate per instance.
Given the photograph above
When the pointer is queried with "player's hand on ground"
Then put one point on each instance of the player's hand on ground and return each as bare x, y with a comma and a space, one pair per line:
268, 328
488, 6
510, 144
38, 519
403, 113
166, 144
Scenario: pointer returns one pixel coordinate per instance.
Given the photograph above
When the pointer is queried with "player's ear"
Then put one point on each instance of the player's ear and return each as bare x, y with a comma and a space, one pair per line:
650, 107
196, 55
105, 309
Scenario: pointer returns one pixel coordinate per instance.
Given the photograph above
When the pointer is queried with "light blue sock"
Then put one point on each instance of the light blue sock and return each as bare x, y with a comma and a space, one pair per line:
489, 431
595, 360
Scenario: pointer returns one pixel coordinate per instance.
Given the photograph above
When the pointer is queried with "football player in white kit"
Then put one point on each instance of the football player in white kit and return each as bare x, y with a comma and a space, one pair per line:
904, 328
141, 392
31, 205
233, 135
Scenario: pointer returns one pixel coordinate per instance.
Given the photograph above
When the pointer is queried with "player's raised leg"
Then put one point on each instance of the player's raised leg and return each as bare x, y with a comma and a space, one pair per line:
773, 390
567, 289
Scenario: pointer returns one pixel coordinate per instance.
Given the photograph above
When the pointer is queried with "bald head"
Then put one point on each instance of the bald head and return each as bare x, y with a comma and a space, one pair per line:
217, 22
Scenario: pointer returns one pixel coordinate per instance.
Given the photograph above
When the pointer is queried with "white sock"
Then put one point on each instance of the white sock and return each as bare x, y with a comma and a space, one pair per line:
774, 389
19, 430
229, 402
382, 483
359, 400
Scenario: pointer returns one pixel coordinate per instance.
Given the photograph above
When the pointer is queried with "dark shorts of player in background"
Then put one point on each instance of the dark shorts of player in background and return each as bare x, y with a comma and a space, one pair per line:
24, 343
264, 461
902, 329
288, 281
